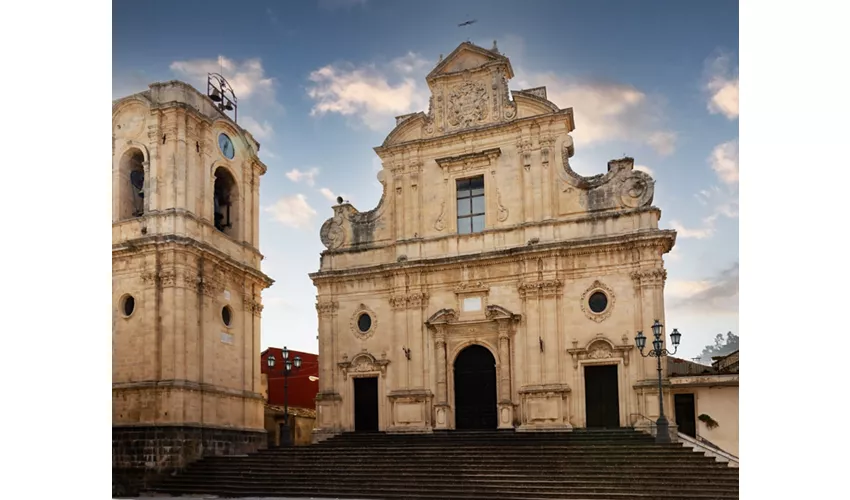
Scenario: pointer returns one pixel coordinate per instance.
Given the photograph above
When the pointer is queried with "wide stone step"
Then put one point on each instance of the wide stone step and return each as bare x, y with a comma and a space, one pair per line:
460, 481
469, 473
464, 493
645, 470
550, 452
483, 461
514, 448
474, 465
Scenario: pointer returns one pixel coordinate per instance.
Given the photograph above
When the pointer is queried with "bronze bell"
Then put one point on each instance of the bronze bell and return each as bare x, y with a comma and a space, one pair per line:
228, 106
215, 96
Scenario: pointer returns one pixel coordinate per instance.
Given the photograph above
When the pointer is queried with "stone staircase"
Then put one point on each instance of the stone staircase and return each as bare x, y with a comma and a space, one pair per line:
485, 465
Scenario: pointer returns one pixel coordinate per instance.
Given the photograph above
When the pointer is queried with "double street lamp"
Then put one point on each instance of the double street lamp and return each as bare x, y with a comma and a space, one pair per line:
662, 435
288, 367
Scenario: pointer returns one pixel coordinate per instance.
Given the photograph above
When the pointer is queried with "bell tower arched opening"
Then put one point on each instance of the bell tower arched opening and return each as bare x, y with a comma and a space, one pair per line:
475, 389
131, 185
225, 203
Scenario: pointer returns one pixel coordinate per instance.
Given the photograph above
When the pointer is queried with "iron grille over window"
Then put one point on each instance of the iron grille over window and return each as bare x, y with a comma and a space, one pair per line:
470, 205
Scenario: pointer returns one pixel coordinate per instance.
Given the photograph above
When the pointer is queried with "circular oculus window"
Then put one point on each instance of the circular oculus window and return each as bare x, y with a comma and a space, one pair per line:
226, 315
364, 322
598, 302
128, 305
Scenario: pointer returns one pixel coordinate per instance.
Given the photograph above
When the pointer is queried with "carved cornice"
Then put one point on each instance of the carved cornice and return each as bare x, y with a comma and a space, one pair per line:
166, 243
557, 249
469, 161
543, 288
649, 278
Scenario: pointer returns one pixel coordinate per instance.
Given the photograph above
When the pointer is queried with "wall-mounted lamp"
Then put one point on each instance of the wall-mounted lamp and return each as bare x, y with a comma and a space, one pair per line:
406, 352
541, 343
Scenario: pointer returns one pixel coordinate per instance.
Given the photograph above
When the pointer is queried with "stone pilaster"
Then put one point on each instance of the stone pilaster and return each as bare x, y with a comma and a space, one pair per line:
506, 407
442, 406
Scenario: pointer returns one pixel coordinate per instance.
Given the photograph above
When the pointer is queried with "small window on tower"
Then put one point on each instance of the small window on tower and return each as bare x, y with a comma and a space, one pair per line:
470, 205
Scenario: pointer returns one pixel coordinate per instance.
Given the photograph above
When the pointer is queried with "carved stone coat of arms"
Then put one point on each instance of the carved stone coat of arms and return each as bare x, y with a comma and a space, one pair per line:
468, 104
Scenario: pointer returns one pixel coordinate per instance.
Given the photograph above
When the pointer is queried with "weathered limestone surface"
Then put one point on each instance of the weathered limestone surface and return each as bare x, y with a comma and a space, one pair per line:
520, 287
184, 383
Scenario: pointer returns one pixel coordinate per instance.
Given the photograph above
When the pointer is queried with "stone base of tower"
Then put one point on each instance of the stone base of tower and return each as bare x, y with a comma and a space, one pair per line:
143, 453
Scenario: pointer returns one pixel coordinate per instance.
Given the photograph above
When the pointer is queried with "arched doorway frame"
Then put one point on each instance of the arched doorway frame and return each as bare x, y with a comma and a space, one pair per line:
496, 327
450, 362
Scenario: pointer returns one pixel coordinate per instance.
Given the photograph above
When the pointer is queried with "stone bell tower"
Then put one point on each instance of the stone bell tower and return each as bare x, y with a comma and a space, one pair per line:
186, 282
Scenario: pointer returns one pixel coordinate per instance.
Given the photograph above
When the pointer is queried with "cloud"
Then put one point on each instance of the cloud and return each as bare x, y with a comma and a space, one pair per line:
309, 177
716, 294
722, 86
260, 132
699, 233
724, 161
247, 77
644, 168
327, 193
332, 5
373, 94
674, 255
292, 211
606, 111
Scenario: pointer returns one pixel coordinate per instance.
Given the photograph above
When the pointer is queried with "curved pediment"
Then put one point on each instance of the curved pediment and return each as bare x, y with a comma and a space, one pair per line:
442, 316
533, 102
408, 128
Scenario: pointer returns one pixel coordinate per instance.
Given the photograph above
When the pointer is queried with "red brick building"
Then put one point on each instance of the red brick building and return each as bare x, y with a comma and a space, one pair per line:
302, 390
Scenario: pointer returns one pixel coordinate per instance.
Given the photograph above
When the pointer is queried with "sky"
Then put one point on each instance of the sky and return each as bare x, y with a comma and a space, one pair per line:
319, 83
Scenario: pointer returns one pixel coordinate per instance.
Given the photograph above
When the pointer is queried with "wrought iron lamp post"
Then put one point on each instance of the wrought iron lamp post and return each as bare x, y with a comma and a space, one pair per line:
288, 367
662, 435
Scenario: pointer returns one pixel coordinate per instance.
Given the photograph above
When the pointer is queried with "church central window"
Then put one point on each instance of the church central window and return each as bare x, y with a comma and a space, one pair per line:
470, 205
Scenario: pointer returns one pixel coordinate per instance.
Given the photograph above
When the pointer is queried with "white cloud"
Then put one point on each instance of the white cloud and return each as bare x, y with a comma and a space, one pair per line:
722, 86
674, 255
724, 161
293, 211
699, 233
247, 77
717, 294
260, 131
309, 176
331, 196
374, 94
644, 168
605, 111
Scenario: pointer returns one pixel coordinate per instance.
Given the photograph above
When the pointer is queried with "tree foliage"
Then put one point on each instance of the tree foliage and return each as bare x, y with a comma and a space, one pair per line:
721, 347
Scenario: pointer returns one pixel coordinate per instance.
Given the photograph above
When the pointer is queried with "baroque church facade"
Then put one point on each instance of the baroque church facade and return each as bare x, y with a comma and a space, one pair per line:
186, 283
492, 286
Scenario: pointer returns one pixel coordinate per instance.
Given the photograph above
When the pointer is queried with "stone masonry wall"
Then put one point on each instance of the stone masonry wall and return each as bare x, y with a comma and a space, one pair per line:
141, 454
